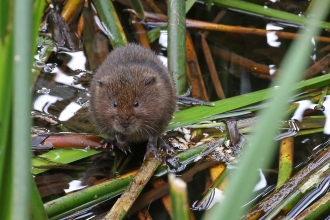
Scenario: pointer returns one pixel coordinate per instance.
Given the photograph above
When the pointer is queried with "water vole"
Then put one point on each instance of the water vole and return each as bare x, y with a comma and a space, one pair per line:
133, 97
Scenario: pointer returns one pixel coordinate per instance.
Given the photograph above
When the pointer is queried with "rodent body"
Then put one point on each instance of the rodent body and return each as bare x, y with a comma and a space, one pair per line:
132, 96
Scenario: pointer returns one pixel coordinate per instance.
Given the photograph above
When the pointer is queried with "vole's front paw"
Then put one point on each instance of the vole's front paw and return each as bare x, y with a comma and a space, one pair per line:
163, 145
108, 143
152, 147
123, 146
151, 150
155, 144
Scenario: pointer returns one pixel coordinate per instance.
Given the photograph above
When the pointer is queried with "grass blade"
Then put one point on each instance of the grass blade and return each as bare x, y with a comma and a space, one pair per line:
177, 44
21, 109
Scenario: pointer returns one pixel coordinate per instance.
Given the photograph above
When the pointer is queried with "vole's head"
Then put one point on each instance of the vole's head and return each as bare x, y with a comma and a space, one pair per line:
132, 99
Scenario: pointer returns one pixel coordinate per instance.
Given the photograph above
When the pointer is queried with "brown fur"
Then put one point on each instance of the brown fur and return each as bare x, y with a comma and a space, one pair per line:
128, 75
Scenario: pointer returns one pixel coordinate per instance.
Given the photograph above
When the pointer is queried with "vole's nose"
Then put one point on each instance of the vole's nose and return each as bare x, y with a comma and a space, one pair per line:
124, 123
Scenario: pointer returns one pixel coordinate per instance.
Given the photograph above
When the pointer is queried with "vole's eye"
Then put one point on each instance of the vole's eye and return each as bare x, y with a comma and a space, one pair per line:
115, 104
136, 104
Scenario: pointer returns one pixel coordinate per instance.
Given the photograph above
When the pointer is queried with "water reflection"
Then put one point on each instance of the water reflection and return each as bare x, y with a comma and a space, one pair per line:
77, 61
262, 182
272, 38
307, 104
56, 90
74, 185
69, 111
215, 196
43, 90
43, 102
326, 112
302, 107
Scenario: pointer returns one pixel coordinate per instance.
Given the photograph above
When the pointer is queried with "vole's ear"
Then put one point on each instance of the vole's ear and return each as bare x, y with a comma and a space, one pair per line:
100, 83
150, 81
